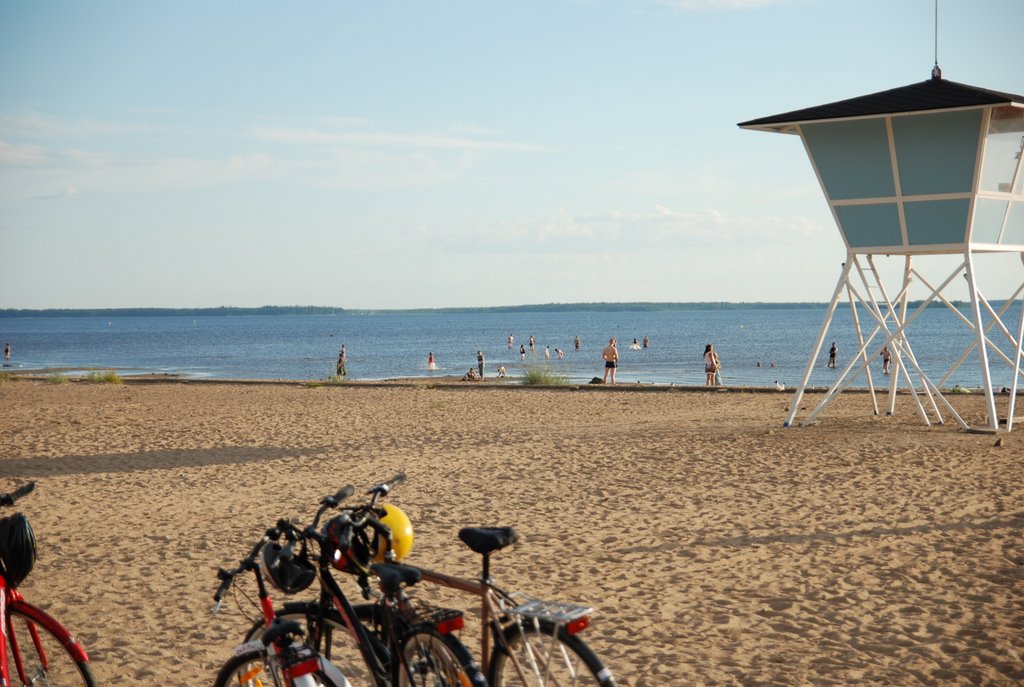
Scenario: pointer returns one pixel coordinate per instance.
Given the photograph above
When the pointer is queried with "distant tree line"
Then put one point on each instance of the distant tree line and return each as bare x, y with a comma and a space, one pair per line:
322, 310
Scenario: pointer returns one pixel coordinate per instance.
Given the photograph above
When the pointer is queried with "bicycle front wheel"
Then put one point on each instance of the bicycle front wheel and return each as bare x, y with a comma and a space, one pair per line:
332, 639
250, 669
541, 655
438, 660
37, 656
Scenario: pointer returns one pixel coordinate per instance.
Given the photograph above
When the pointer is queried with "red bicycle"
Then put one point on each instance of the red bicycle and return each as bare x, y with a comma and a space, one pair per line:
42, 651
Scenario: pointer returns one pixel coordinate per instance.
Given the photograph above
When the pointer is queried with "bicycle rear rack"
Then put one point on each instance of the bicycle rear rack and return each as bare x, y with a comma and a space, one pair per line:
555, 612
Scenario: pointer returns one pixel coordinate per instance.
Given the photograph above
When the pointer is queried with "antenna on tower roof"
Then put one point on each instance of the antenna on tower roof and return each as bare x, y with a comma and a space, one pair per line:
936, 71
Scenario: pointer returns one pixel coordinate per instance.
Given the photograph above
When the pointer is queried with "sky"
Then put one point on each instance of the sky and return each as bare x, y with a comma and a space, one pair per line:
465, 153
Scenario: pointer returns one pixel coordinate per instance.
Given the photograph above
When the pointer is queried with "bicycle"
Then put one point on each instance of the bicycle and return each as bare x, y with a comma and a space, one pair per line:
381, 644
42, 650
279, 654
535, 642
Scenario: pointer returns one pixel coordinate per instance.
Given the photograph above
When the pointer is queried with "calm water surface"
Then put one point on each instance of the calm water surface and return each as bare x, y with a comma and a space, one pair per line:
390, 344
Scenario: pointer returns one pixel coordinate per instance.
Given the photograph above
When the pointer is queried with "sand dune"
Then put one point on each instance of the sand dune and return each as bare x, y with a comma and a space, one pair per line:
717, 547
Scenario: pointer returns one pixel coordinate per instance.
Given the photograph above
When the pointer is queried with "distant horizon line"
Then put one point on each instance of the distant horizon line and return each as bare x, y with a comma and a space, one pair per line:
597, 306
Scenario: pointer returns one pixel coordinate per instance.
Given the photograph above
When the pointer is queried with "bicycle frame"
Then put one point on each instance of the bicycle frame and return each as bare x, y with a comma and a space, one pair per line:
331, 595
490, 604
10, 598
494, 604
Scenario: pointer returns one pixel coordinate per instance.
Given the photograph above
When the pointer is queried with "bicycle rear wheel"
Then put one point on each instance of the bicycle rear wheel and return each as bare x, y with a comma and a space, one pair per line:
37, 656
539, 655
437, 660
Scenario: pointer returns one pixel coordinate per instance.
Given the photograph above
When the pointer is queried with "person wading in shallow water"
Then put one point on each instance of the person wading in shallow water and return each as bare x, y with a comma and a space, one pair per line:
611, 360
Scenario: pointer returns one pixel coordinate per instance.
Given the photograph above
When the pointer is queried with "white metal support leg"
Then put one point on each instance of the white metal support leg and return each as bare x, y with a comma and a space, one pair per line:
1016, 367
894, 382
902, 343
986, 376
861, 344
825, 324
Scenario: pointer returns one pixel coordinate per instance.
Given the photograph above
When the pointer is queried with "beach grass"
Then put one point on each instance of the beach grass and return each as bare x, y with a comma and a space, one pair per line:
103, 377
6, 376
543, 376
56, 378
336, 380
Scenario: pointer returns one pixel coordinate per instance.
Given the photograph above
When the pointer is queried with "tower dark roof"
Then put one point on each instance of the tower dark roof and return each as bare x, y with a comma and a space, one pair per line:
933, 94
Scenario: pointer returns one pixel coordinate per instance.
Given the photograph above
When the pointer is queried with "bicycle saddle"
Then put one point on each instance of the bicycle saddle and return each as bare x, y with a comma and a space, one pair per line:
393, 575
484, 540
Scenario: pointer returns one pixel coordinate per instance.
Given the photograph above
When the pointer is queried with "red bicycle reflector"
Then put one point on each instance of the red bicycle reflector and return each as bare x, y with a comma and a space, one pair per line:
304, 668
450, 625
578, 625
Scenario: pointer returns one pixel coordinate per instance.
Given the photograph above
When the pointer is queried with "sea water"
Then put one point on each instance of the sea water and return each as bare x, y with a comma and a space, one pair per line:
758, 347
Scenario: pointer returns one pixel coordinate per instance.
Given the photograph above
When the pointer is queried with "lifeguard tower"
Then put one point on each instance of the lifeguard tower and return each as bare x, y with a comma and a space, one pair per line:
933, 168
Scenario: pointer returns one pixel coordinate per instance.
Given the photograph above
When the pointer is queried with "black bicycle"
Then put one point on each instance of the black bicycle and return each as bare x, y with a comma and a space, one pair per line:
393, 641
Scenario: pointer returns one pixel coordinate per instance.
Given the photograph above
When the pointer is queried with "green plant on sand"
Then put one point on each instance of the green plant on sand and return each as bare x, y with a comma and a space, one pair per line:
56, 378
543, 376
105, 377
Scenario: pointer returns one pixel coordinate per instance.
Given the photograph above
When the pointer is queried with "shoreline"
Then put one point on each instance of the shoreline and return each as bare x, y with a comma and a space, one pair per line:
450, 381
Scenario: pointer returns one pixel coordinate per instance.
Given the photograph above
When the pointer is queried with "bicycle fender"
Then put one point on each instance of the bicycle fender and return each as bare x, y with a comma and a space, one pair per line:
254, 645
333, 674
41, 617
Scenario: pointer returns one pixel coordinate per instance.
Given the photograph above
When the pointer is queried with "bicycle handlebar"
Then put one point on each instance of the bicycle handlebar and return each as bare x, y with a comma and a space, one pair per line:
345, 522
384, 488
227, 577
23, 490
343, 493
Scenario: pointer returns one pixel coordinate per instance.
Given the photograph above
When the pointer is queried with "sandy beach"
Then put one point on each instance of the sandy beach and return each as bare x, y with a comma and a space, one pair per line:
716, 546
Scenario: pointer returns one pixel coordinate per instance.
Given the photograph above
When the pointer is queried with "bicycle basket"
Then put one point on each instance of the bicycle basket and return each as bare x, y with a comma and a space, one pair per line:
289, 574
17, 548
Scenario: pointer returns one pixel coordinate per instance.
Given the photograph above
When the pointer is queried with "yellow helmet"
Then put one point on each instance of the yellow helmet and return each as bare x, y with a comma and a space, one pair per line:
401, 534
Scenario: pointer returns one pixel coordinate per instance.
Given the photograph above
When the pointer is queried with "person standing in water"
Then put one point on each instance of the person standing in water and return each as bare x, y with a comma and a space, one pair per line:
611, 360
711, 365
431, 365
480, 362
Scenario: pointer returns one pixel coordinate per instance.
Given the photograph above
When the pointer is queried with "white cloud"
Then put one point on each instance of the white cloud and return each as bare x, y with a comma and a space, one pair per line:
384, 139
662, 229
20, 155
34, 125
717, 4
